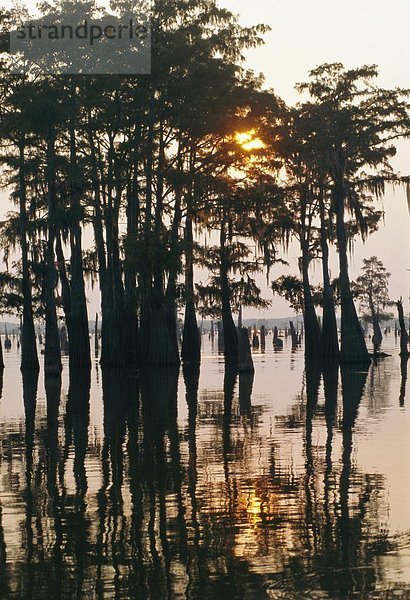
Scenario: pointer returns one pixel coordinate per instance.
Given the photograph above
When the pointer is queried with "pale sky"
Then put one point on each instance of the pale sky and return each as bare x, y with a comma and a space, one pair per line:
307, 33
303, 35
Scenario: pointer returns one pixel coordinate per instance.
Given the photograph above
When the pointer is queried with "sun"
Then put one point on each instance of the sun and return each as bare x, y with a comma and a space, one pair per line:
248, 141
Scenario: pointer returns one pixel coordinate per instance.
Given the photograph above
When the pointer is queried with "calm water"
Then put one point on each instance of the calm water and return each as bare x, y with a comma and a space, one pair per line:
294, 484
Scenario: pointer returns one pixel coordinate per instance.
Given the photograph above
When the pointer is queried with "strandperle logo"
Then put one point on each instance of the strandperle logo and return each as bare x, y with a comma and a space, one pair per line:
82, 44
91, 32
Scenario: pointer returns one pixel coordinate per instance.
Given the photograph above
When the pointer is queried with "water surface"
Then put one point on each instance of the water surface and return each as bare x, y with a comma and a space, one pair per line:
292, 484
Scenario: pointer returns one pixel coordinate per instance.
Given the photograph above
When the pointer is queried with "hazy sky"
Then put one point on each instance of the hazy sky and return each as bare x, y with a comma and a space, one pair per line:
307, 33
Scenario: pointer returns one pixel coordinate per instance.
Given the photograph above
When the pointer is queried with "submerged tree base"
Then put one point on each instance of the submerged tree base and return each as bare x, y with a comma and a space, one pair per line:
353, 347
245, 362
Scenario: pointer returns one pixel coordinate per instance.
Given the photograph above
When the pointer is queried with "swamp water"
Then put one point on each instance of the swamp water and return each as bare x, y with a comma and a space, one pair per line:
294, 483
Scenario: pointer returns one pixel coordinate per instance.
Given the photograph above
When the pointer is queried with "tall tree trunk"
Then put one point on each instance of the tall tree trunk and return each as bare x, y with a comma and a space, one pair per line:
105, 358
119, 295
230, 333
329, 337
311, 323
112, 311
52, 352
191, 342
65, 284
145, 275
109, 333
78, 336
171, 290
353, 346
170, 293
160, 347
312, 329
29, 357
130, 321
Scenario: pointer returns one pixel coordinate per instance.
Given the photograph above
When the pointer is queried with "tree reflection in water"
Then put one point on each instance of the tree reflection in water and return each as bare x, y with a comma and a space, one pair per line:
3, 555
222, 502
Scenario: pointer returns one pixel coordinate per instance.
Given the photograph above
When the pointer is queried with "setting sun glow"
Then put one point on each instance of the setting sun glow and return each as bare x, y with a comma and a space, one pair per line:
248, 141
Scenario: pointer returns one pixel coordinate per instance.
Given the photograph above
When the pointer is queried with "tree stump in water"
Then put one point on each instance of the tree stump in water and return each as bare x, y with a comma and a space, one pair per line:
404, 338
263, 337
255, 338
293, 334
277, 342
